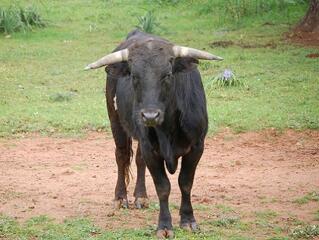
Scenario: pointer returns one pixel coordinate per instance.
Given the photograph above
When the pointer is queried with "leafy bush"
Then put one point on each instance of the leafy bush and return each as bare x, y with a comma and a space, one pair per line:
14, 19
147, 23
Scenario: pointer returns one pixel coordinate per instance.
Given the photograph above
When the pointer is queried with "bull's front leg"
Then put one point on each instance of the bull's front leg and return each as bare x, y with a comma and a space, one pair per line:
155, 165
185, 181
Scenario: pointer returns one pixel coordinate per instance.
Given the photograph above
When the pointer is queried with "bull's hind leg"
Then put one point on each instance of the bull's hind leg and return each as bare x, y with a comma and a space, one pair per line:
123, 151
123, 154
185, 181
141, 199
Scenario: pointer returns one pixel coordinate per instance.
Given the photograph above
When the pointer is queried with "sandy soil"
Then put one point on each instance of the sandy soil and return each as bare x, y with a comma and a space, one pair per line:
74, 177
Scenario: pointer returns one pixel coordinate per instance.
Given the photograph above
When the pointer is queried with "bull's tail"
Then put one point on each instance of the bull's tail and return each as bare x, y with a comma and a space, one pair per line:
127, 169
125, 156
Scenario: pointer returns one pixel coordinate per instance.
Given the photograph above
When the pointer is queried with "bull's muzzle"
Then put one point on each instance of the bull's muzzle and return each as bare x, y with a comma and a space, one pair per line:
151, 117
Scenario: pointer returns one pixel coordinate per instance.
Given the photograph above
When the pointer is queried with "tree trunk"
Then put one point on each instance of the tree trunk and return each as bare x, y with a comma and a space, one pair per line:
310, 23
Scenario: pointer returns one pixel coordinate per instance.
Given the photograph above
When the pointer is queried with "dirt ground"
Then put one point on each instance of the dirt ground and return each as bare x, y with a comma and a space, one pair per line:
75, 177
307, 39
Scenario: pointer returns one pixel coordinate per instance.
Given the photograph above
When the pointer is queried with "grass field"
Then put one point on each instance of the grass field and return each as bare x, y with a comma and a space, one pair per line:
44, 89
227, 225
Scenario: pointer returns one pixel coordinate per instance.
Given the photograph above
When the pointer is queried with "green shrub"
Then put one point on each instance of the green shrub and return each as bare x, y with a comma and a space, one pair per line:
147, 23
9, 21
31, 17
15, 19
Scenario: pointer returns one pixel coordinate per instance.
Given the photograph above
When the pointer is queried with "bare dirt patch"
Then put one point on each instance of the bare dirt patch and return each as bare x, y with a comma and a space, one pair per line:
75, 177
312, 55
241, 44
310, 39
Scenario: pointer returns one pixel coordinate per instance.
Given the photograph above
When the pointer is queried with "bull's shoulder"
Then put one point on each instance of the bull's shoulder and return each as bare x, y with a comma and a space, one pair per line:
191, 102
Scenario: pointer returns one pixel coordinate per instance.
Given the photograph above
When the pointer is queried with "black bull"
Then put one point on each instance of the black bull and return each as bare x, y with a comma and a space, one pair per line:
155, 95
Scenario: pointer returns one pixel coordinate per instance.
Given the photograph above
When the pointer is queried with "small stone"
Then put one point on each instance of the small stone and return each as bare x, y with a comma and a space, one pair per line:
110, 214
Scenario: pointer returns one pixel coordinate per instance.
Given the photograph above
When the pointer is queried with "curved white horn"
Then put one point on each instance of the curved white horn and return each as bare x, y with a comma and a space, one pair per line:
194, 53
115, 57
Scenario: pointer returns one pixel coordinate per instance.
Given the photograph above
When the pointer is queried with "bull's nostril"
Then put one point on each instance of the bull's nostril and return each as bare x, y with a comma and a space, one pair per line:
150, 116
156, 115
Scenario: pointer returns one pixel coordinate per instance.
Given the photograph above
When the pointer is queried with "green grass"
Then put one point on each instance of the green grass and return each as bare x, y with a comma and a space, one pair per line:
43, 87
16, 18
226, 221
45, 228
215, 221
224, 209
267, 214
312, 196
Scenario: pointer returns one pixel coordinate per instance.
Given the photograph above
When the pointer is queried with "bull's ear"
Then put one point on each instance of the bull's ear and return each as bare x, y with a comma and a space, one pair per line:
118, 69
182, 64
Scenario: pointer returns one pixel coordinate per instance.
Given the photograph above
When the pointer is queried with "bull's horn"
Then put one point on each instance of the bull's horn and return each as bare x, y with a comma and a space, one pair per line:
194, 53
115, 57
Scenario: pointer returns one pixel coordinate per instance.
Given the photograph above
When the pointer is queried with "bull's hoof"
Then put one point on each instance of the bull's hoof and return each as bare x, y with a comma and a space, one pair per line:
164, 233
120, 203
141, 203
189, 226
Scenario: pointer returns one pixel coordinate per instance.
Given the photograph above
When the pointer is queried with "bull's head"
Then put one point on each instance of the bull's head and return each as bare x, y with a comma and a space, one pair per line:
151, 65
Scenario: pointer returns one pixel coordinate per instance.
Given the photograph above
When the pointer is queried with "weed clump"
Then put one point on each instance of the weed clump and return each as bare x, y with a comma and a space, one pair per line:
227, 78
147, 23
306, 232
167, 2
226, 222
312, 196
15, 19
61, 97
